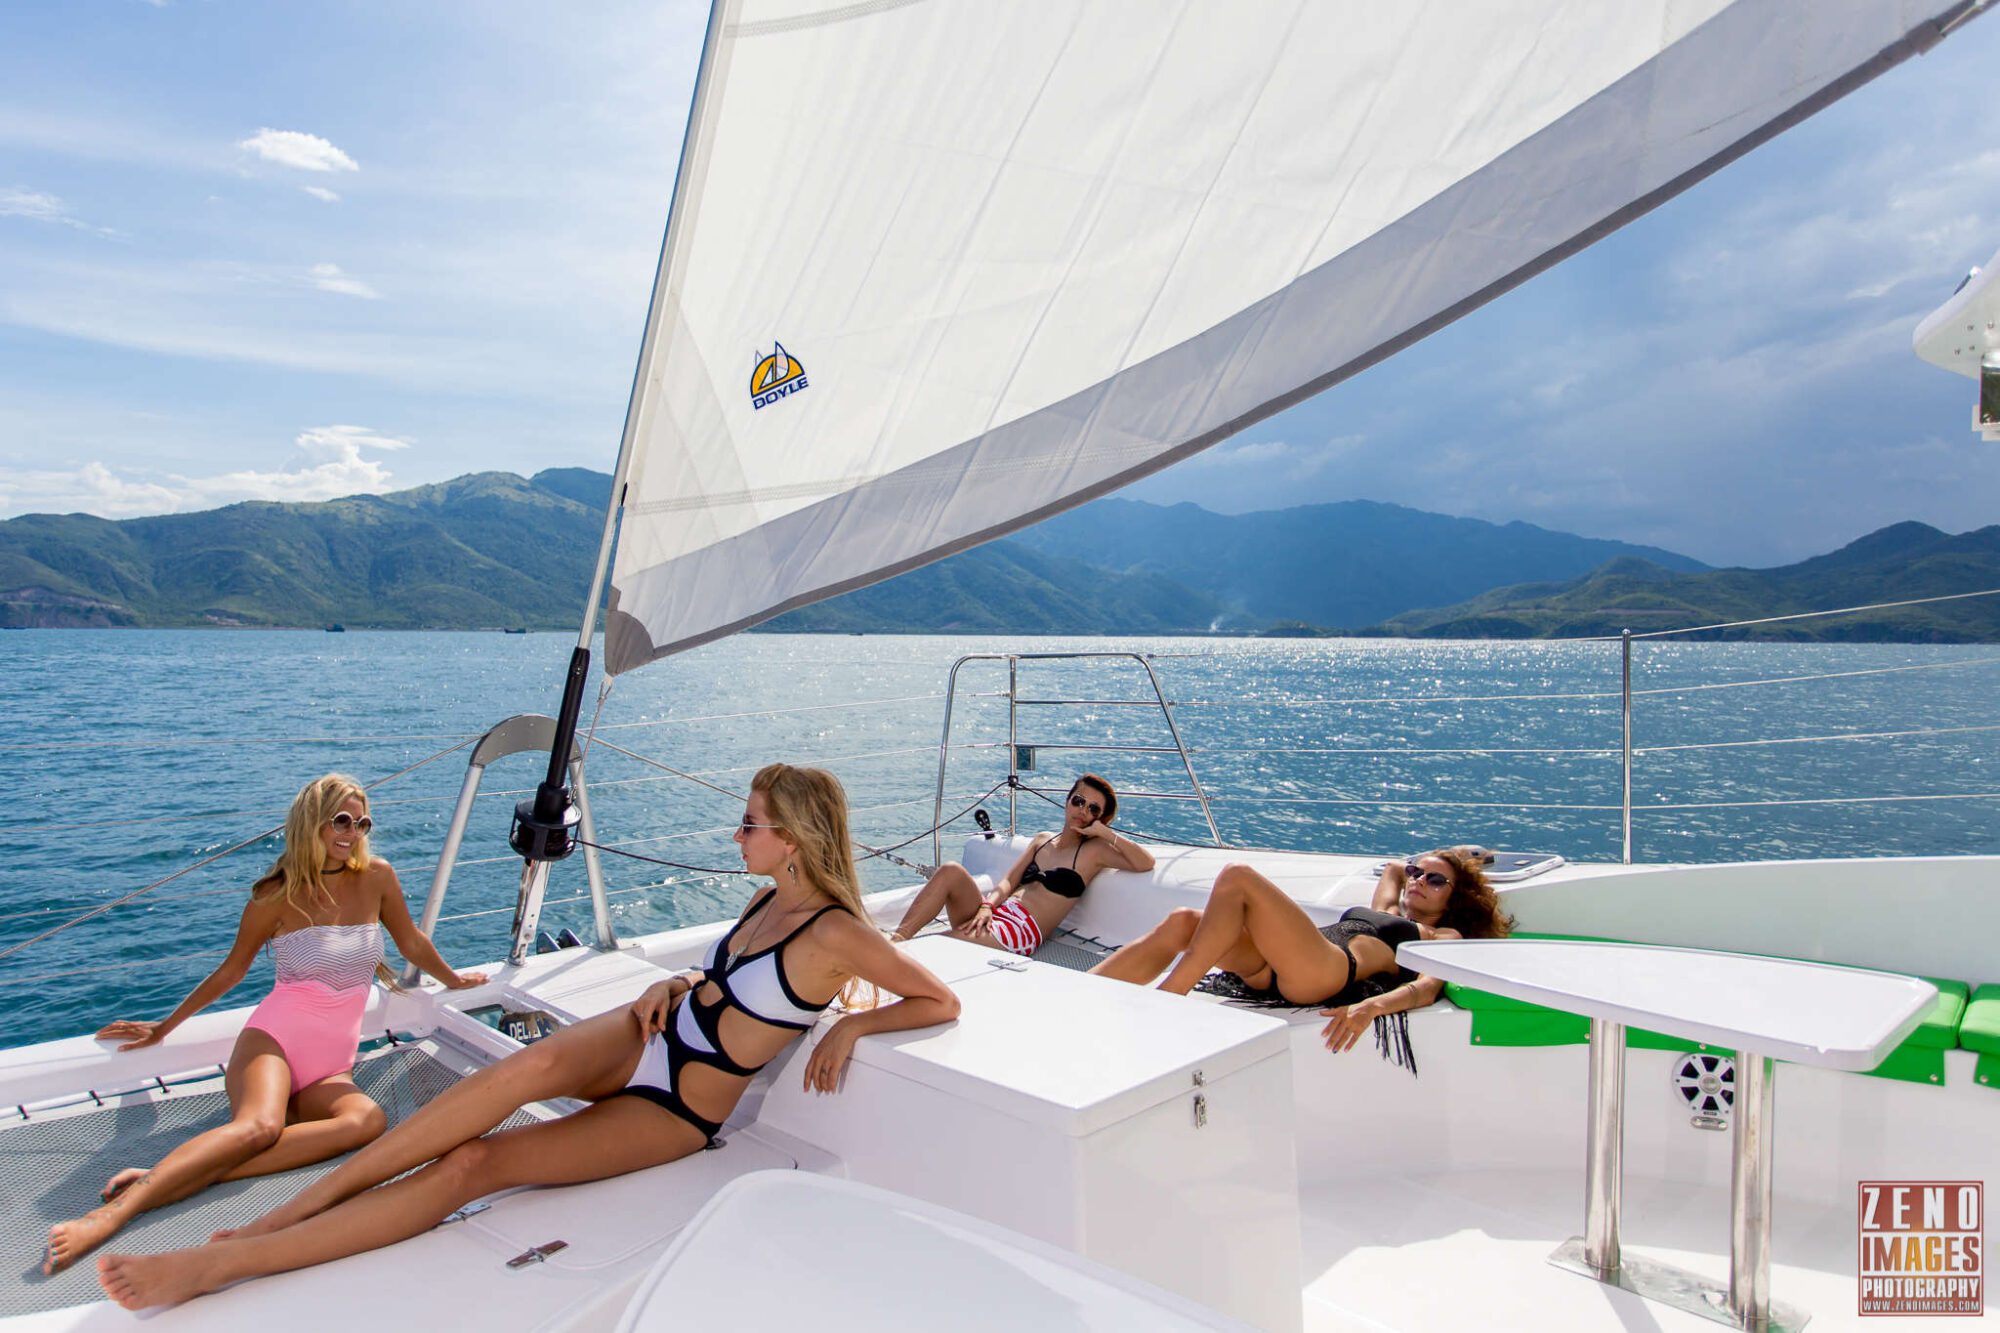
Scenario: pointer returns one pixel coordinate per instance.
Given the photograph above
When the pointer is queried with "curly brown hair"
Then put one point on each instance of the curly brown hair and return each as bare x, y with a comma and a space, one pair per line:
1474, 908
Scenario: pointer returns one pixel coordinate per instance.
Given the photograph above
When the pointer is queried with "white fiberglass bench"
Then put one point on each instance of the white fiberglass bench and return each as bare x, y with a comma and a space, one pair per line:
1766, 1008
1130, 1126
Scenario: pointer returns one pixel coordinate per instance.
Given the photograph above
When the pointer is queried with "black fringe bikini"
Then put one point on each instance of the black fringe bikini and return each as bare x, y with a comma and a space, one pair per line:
1392, 1031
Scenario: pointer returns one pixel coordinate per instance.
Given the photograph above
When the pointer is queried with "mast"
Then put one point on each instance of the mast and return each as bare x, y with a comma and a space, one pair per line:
543, 828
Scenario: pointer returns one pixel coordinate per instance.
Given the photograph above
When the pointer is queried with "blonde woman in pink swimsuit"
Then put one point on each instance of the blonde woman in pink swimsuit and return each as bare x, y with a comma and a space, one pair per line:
292, 1100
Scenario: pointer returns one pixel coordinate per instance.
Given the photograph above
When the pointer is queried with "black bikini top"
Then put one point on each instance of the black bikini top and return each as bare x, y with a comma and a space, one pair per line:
1062, 881
1387, 927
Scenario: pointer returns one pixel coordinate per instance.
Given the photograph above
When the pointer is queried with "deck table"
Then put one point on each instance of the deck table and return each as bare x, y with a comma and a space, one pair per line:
1767, 1009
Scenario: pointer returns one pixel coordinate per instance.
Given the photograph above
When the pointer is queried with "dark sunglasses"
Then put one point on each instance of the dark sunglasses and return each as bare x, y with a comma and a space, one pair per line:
1076, 802
343, 821
749, 823
1430, 877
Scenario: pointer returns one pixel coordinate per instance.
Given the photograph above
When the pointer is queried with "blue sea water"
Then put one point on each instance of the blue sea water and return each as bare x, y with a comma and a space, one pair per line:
133, 754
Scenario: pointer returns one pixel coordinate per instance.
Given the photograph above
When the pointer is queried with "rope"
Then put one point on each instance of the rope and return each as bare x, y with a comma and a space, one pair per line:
10, 950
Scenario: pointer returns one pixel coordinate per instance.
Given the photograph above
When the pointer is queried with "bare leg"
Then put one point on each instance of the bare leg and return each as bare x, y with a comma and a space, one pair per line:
609, 1139
952, 889
591, 1060
1244, 903
334, 1117
1148, 956
259, 1083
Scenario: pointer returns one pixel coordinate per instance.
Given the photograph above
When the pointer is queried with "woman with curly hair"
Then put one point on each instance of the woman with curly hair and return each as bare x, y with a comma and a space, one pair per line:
1274, 955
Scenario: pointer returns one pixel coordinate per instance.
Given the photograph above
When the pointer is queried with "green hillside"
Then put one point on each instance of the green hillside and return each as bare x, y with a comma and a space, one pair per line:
493, 550
1898, 563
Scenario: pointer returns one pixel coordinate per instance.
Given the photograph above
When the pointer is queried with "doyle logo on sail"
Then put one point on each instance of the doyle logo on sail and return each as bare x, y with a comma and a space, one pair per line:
778, 375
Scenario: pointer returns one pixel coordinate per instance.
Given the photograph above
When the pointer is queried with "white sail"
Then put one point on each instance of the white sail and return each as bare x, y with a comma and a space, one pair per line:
1013, 256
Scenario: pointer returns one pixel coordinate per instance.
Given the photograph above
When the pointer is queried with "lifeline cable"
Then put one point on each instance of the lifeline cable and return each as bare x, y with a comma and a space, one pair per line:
12, 949
873, 852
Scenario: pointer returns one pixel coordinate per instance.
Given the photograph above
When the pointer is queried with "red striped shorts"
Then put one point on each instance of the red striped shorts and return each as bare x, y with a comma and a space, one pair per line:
1015, 928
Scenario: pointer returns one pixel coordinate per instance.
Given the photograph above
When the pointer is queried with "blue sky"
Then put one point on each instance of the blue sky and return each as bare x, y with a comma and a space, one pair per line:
291, 252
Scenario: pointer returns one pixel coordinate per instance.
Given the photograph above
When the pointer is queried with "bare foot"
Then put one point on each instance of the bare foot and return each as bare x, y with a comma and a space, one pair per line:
121, 1182
71, 1240
136, 1281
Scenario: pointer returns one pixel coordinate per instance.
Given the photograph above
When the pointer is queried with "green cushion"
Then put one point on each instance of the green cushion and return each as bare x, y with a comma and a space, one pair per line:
1939, 1030
1979, 1030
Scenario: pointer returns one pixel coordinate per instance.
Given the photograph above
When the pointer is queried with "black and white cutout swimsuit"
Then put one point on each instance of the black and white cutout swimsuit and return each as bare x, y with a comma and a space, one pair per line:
754, 984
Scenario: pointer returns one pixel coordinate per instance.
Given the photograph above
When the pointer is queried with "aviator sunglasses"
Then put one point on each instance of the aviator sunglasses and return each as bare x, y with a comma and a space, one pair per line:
343, 822
1077, 802
1430, 877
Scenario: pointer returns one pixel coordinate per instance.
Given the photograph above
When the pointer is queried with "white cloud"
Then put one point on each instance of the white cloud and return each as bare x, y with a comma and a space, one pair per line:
329, 278
31, 204
295, 148
332, 466
321, 193
37, 206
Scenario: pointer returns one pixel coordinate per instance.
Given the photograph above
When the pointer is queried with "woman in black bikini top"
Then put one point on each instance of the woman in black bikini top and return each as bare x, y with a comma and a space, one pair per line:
1256, 932
1031, 900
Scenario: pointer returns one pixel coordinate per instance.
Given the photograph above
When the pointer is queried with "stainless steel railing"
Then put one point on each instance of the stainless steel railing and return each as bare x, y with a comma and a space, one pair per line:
1014, 746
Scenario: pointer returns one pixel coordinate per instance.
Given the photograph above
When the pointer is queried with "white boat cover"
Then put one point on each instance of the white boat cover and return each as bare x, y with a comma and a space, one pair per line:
937, 269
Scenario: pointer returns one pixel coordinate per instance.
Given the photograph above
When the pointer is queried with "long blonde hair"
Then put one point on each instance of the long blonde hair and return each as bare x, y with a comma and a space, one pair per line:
808, 808
297, 877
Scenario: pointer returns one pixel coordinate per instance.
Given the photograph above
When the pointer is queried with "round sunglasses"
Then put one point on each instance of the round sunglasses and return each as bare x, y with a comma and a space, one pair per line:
1430, 877
1076, 802
342, 822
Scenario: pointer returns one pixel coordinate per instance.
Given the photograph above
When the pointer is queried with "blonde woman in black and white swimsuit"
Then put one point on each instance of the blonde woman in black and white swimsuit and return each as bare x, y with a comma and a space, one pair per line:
661, 1075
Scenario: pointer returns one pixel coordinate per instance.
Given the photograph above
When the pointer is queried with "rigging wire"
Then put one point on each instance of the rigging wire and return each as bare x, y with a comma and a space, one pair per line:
10, 950
1812, 615
1130, 832
873, 852
178, 742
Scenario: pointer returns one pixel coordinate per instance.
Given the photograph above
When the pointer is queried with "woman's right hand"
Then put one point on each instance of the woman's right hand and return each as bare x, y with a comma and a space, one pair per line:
132, 1033
652, 1007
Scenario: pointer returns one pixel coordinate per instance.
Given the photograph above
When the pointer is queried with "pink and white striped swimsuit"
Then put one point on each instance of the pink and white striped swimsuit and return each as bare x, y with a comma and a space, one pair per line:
314, 1012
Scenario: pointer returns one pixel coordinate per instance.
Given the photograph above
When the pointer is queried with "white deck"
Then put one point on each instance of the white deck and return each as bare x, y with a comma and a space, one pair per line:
1423, 1204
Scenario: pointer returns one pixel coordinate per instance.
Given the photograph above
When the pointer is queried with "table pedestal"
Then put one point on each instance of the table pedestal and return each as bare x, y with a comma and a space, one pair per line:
1745, 1302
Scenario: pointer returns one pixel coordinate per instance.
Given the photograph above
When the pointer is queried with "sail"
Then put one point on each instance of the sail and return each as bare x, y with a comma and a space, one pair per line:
938, 269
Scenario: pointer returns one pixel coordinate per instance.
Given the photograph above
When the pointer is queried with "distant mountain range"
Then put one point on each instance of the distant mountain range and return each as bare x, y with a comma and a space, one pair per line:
493, 550
1899, 563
